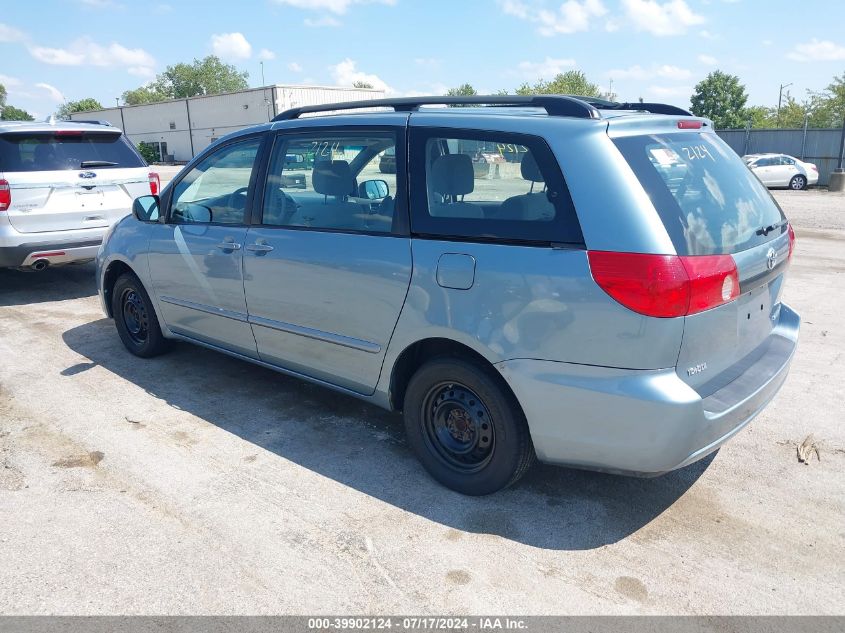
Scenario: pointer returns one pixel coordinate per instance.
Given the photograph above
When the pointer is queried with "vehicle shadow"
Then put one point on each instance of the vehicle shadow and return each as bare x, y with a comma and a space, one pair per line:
363, 447
54, 284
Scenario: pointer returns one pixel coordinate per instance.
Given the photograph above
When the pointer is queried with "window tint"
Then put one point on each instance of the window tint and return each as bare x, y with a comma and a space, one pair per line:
216, 189
708, 201
48, 152
491, 186
341, 181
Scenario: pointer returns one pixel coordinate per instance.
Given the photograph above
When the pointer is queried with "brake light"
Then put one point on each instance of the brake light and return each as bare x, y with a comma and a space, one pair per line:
666, 285
5, 195
689, 125
67, 133
789, 228
155, 183
814, 168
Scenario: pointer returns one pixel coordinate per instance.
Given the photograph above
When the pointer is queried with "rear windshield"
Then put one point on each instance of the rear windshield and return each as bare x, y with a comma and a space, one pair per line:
48, 152
709, 201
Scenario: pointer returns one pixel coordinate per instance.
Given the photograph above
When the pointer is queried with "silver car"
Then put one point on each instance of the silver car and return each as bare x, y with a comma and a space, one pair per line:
62, 184
585, 283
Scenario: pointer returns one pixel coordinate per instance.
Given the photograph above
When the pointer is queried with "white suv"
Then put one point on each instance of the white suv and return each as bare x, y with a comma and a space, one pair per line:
62, 185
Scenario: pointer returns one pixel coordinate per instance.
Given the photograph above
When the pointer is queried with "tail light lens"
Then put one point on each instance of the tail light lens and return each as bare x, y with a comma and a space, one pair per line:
814, 168
791, 239
155, 183
5, 195
666, 285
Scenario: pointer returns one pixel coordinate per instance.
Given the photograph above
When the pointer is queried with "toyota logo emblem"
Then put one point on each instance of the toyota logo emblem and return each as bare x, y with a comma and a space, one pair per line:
771, 258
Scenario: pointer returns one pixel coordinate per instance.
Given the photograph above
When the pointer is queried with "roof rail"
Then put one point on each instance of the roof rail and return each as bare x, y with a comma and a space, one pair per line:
555, 105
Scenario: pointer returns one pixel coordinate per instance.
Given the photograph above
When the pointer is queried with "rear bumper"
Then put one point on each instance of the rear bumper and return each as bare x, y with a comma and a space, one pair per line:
60, 247
644, 422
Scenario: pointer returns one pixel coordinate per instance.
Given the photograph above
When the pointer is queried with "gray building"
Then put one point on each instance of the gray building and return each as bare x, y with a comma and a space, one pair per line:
183, 127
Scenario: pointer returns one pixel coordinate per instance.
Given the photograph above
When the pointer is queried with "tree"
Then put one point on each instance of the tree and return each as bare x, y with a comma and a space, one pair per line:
792, 113
572, 82
83, 105
362, 84
827, 108
144, 94
2, 95
464, 90
760, 116
206, 76
722, 98
11, 113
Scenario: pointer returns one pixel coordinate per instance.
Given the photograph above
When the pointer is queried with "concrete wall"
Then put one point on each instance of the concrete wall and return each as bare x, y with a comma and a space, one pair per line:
190, 125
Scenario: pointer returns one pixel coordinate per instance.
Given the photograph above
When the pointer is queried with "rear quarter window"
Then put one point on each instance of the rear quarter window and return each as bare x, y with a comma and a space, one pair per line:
50, 152
709, 201
489, 186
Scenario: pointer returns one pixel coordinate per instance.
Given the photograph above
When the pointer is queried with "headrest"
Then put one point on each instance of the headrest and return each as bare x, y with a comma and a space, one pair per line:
332, 178
529, 168
452, 175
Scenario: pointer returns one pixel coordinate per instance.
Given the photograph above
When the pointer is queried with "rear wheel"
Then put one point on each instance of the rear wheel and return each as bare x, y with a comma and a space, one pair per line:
135, 319
465, 427
798, 182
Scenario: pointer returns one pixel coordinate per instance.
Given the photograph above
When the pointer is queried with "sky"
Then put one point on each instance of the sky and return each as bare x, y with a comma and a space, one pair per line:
57, 50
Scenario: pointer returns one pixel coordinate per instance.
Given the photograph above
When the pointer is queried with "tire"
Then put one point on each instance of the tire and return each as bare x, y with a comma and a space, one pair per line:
135, 318
798, 182
466, 428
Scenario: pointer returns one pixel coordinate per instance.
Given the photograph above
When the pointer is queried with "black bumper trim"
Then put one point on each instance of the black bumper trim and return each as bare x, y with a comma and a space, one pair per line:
14, 256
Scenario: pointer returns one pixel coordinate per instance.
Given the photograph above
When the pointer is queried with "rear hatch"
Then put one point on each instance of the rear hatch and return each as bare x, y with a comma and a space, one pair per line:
712, 205
70, 179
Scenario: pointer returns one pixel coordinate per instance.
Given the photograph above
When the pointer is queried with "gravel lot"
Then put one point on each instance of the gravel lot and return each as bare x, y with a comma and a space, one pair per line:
195, 483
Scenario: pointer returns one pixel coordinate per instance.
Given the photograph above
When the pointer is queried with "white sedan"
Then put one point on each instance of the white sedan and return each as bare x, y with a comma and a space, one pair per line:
780, 170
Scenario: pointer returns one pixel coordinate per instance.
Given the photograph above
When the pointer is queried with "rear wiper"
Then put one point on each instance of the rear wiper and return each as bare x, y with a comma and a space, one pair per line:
768, 229
96, 163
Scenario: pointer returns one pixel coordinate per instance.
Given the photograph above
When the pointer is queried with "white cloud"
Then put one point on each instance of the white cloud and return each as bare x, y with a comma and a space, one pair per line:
10, 34
231, 46
345, 74
671, 91
52, 91
545, 69
673, 17
294, 67
266, 55
9, 82
141, 71
325, 21
335, 6
571, 17
639, 73
708, 60
85, 52
817, 51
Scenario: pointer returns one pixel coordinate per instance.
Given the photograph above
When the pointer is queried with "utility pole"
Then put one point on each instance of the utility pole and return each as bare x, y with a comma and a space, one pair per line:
117, 101
780, 96
262, 74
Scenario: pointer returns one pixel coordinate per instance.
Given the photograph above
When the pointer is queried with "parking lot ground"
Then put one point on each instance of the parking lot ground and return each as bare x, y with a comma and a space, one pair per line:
198, 484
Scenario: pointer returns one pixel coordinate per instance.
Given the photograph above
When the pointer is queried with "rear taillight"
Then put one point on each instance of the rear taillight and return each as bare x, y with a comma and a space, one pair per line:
791, 240
666, 285
155, 183
5, 195
814, 168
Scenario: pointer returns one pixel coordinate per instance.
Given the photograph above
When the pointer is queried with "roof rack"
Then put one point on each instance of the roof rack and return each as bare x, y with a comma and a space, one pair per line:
555, 105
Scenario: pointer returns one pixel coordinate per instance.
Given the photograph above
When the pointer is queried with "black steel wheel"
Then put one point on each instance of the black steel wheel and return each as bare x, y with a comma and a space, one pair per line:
135, 318
466, 427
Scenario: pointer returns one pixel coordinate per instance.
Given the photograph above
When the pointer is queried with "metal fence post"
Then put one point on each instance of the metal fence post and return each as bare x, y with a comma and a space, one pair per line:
747, 138
804, 138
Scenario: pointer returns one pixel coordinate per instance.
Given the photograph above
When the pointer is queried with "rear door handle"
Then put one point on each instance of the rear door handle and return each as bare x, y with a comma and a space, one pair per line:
259, 248
229, 246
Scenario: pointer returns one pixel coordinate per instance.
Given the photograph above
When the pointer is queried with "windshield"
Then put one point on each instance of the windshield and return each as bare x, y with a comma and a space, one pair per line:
709, 201
48, 152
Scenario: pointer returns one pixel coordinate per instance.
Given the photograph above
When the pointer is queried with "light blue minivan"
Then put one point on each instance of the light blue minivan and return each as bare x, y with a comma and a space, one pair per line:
586, 283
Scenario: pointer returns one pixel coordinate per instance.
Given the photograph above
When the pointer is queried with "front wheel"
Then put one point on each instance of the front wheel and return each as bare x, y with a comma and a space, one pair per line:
135, 318
798, 182
465, 428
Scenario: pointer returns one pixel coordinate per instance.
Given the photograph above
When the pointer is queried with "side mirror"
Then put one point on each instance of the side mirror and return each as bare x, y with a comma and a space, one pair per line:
146, 208
373, 189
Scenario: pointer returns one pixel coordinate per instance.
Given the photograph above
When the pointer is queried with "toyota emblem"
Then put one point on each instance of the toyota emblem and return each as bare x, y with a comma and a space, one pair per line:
771, 258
